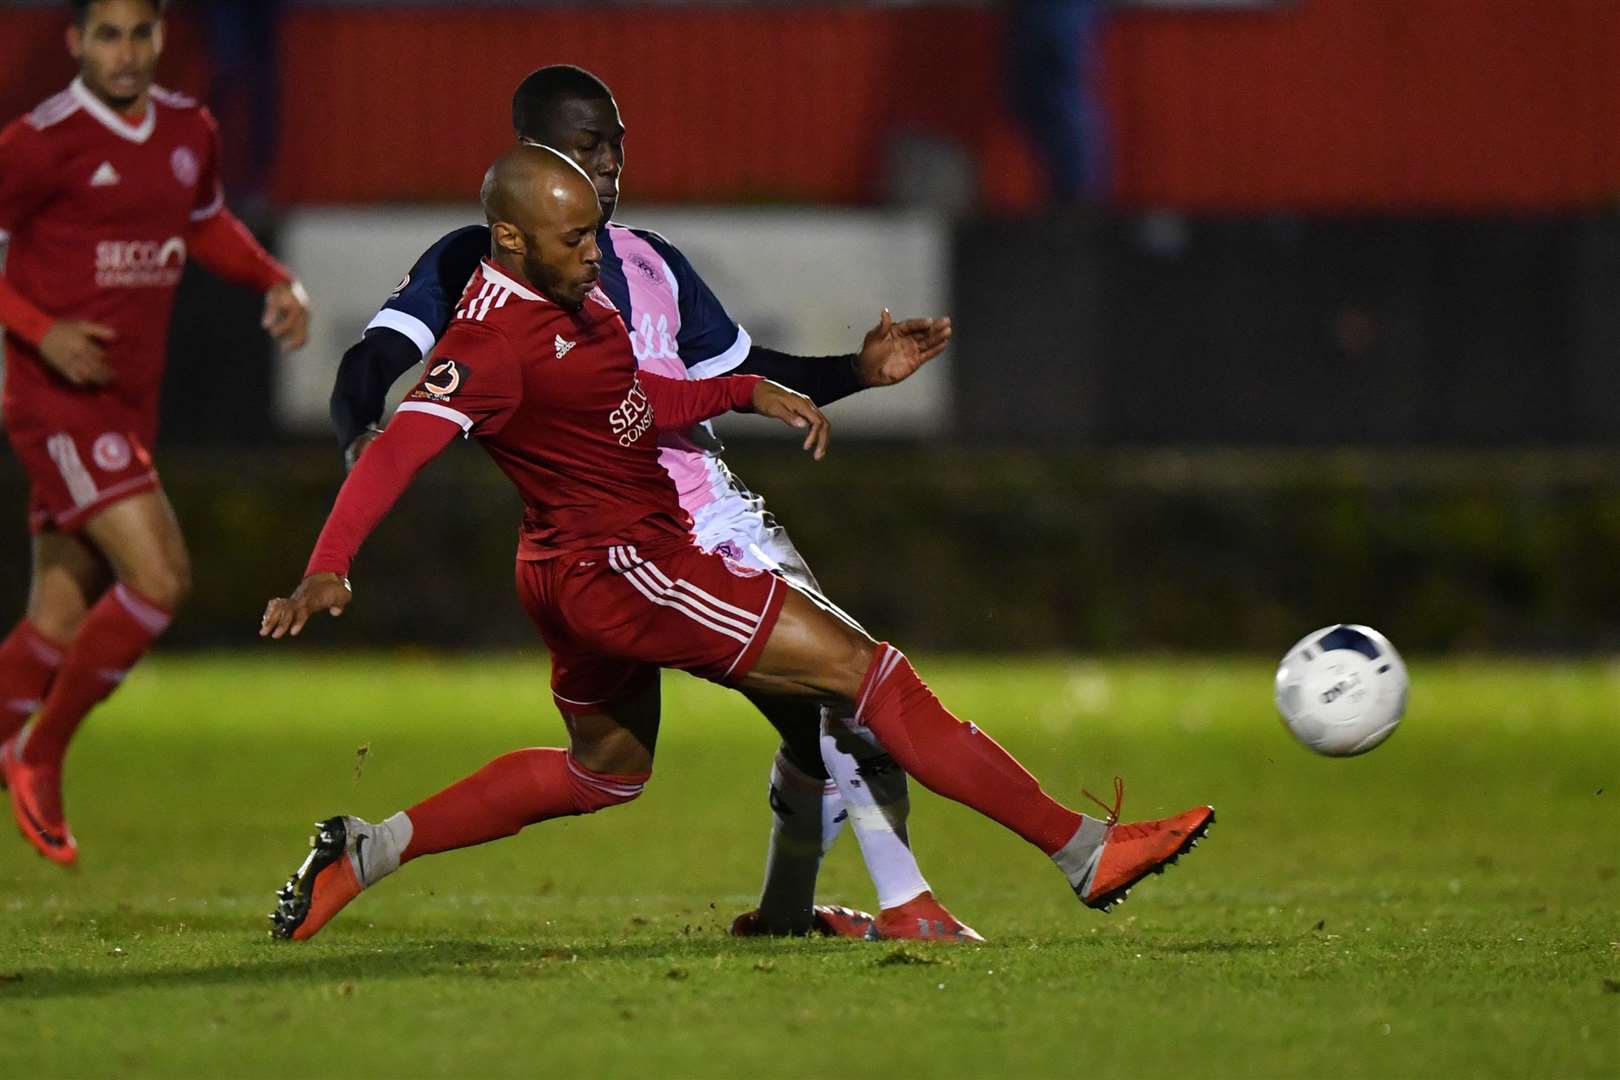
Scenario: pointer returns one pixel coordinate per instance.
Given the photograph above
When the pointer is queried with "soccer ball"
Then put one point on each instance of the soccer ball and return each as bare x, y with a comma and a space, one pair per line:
1342, 689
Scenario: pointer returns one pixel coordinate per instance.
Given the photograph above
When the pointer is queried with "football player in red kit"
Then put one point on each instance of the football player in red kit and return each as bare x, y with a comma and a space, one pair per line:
105, 190
539, 368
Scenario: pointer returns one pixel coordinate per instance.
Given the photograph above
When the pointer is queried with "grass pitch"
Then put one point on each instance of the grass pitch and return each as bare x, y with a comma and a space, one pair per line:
1448, 905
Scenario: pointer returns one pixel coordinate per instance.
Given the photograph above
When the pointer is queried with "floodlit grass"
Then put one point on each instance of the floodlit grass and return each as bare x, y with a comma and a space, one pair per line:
1448, 905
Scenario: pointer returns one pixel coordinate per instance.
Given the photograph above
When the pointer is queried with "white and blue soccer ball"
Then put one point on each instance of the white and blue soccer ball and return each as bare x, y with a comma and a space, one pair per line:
1342, 689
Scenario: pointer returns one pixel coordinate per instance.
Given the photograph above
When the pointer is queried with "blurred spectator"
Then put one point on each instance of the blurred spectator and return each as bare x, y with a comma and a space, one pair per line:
244, 42
1053, 50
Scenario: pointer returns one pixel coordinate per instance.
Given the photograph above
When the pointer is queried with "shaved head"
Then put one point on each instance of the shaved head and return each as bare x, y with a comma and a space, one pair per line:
543, 212
527, 184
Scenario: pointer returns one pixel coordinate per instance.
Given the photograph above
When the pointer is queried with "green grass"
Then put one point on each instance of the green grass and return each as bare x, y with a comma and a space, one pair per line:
1448, 905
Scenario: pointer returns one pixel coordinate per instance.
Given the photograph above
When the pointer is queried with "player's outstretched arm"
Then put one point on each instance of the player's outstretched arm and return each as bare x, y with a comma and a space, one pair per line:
411, 441
677, 404
893, 351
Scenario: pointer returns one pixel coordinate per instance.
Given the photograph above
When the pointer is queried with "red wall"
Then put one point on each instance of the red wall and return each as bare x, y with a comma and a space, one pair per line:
1327, 104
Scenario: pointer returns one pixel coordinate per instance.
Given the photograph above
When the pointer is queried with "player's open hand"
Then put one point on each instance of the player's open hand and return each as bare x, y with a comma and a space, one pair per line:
795, 410
893, 351
287, 615
286, 315
74, 348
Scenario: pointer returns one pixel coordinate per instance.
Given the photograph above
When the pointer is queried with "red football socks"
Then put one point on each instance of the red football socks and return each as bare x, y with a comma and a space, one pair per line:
119, 630
953, 758
514, 790
28, 663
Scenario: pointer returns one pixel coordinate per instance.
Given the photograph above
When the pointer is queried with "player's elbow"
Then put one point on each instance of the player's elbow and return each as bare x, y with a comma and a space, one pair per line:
369, 367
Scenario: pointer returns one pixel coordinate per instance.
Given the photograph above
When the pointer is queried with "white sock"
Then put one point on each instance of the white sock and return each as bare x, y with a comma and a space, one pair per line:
794, 856
833, 814
378, 855
874, 793
1078, 858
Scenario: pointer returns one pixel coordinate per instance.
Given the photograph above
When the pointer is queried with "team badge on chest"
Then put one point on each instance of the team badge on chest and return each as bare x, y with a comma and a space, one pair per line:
184, 164
645, 268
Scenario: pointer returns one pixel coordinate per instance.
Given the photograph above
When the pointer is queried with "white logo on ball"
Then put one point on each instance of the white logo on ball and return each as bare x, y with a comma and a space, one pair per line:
111, 452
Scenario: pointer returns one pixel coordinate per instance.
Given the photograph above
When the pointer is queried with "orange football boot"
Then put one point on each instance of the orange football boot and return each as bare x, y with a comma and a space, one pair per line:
829, 920
36, 803
329, 877
922, 918
1130, 852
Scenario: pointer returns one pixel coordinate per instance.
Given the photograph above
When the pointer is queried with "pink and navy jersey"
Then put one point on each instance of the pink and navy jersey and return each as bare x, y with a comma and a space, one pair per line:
677, 326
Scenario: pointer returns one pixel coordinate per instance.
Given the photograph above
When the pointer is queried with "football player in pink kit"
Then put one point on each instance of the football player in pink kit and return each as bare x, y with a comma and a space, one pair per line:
539, 367
105, 190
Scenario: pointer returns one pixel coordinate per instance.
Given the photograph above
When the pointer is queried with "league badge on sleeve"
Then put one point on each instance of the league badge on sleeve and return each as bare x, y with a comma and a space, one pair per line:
443, 379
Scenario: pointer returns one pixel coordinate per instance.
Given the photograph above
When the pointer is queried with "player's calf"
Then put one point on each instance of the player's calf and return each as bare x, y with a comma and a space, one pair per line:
348, 855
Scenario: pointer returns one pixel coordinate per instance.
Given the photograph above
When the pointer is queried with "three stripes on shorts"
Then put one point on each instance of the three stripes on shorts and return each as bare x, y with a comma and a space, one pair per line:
681, 595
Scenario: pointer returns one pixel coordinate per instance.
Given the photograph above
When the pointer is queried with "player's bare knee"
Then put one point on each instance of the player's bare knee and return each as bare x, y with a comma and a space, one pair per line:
168, 591
56, 623
166, 584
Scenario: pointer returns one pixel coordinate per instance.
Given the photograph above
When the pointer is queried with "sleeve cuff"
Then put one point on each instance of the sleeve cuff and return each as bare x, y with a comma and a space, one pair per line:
460, 419
407, 324
742, 390
726, 361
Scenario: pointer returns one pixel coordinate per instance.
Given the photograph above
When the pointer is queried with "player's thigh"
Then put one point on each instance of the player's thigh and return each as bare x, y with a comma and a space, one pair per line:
68, 576
811, 653
141, 539
618, 737
779, 548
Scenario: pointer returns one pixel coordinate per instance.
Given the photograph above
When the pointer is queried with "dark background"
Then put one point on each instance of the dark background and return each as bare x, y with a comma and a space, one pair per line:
1341, 343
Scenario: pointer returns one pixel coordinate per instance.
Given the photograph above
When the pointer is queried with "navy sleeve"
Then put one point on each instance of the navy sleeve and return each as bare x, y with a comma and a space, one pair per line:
822, 379
422, 305
367, 370
710, 342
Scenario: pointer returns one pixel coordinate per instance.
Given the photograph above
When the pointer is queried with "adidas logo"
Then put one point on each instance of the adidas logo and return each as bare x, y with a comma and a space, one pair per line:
106, 176
563, 347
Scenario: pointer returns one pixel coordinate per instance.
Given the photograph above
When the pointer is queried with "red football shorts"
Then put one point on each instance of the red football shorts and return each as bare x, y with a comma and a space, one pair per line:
80, 470
612, 618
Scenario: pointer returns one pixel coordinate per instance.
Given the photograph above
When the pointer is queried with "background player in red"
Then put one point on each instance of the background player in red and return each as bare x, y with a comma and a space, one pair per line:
105, 190
538, 366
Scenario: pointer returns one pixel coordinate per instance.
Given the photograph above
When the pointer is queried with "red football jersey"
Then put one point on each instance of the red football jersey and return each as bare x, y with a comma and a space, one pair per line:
97, 212
554, 397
